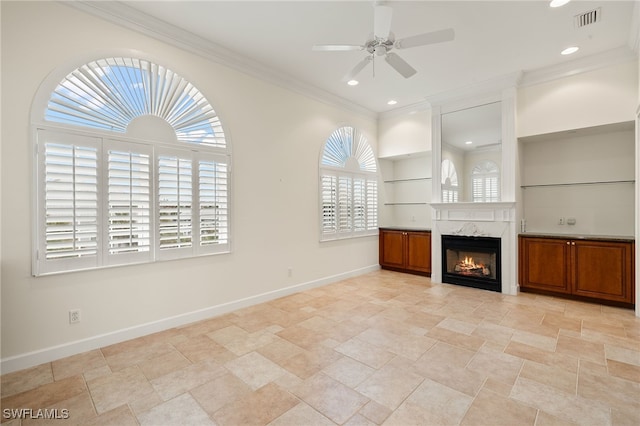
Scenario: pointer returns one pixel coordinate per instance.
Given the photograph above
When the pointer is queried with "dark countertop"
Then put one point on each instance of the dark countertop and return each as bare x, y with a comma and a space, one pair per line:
405, 228
625, 238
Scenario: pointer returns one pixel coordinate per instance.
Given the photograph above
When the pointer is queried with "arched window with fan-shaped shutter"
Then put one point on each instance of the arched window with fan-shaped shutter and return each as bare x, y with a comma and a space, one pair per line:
132, 166
348, 186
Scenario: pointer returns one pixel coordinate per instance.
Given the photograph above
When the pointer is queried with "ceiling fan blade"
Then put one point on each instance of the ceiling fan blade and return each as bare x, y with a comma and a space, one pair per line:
426, 38
400, 65
336, 47
382, 21
359, 67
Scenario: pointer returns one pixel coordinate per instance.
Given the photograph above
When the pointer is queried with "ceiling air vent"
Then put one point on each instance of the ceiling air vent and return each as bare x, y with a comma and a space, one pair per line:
588, 18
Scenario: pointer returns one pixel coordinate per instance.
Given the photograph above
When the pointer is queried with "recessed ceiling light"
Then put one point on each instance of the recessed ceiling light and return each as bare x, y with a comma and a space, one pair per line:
392, 102
468, 142
569, 50
353, 82
558, 3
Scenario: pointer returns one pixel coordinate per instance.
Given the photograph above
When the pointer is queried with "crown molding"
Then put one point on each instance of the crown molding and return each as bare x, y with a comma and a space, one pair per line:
133, 19
578, 66
491, 88
405, 110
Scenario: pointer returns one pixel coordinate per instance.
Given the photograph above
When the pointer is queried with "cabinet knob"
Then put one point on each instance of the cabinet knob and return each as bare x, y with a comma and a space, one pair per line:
573, 243
568, 243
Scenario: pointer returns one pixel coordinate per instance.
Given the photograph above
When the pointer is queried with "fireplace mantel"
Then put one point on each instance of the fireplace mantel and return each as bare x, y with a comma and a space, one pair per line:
496, 220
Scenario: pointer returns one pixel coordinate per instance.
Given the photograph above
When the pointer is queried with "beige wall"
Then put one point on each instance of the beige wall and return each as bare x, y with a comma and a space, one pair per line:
407, 133
276, 137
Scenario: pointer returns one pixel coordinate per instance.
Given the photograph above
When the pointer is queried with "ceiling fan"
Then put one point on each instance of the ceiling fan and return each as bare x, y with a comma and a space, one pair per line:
382, 41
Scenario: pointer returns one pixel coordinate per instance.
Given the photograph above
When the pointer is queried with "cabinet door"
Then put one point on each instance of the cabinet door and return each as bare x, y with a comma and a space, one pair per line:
603, 270
418, 251
544, 264
391, 249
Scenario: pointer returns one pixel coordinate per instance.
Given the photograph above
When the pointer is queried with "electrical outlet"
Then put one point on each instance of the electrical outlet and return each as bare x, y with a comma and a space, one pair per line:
561, 221
290, 271
74, 316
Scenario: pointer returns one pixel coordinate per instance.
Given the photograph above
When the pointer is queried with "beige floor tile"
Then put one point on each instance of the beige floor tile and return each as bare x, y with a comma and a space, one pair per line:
497, 386
492, 332
219, 392
604, 328
46, 395
536, 340
581, 348
250, 343
364, 352
134, 353
97, 372
24, 380
624, 370
568, 362
202, 348
228, 334
456, 339
206, 326
307, 363
302, 414
561, 404
610, 390
173, 384
498, 410
546, 419
145, 403
621, 354
330, 397
359, 420
255, 370
560, 321
496, 364
182, 410
348, 371
302, 337
431, 404
389, 386
77, 364
257, 408
556, 377
457, 326
279, 350
121, 416
375, 412
122, 387
164, 364
77, 410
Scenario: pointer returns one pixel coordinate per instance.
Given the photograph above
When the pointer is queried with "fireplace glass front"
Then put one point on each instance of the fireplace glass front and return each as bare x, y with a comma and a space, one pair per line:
471, 261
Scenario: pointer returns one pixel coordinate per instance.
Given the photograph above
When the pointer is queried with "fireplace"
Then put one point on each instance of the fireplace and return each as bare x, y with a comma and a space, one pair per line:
471, 261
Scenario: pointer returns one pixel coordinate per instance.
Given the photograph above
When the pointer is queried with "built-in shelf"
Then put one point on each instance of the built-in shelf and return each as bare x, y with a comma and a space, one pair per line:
407, 180
577, 183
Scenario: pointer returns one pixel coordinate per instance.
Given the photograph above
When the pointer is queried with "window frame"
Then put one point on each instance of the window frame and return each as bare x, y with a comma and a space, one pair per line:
351, 171
103, 141
481, 174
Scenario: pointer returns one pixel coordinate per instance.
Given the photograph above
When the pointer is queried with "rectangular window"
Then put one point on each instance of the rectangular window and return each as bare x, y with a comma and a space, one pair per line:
349, 205
103, 202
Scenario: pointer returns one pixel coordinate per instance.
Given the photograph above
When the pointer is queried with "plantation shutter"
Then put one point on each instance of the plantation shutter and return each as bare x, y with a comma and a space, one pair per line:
329, 203
68, 206
372, 204
128, 208
175, 204
345, 197
359, 204
213, 208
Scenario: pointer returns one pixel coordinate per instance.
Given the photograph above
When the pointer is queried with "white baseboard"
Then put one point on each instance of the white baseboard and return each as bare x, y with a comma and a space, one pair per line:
31, 359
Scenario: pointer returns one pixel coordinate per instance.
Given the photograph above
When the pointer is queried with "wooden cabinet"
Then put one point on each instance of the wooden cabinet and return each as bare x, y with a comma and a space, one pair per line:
601, 270
405, 250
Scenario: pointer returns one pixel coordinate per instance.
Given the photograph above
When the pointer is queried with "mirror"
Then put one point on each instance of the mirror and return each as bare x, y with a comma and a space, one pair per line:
472, 154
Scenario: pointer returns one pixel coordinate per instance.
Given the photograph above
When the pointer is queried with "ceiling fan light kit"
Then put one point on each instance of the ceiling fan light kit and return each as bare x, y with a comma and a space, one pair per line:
383, 41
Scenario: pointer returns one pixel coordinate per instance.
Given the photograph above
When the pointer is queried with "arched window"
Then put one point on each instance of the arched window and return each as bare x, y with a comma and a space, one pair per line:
449, 182
348, 186
485, 178
132, 166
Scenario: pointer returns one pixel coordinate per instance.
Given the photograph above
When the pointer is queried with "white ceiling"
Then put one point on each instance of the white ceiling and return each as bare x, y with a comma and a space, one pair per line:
492, 40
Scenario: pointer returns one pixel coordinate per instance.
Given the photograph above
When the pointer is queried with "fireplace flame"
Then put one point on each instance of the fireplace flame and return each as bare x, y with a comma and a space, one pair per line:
468, 266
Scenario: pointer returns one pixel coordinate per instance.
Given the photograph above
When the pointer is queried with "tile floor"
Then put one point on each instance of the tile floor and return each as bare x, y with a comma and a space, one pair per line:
381, 348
